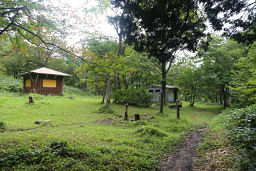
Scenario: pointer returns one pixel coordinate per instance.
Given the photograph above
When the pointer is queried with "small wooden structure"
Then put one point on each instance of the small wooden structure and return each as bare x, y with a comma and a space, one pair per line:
43, 81
171, 93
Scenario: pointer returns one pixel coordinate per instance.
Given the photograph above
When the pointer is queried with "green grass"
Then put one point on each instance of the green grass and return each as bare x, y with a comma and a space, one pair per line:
215, 151
105, 141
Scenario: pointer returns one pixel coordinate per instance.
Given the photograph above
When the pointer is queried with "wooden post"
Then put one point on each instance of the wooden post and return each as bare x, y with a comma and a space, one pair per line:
137, 117
178, 105
126, 112
30, 99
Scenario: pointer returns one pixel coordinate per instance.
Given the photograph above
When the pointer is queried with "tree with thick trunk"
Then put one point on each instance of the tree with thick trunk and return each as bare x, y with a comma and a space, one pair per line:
163, 101
161, 28
108, 91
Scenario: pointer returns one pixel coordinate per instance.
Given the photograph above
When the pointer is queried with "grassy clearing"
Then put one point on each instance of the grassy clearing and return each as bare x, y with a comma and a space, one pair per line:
78, 137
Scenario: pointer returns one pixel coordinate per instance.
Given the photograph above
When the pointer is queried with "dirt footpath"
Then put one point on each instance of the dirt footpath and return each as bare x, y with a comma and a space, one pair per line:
183, 158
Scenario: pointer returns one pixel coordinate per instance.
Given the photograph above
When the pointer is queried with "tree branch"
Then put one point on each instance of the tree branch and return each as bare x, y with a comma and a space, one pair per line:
11, 10
45, 43
11, 23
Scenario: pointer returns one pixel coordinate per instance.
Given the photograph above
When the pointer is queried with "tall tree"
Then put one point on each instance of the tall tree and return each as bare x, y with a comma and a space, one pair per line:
244, 77
102, 64
217, 65
189, 80
160, 28
141, 72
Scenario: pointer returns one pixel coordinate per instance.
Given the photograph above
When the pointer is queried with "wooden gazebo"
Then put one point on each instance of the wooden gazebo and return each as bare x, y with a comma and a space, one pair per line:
43, 81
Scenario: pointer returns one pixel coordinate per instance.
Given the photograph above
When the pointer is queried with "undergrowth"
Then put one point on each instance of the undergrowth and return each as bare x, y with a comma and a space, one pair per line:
55, 155
10, 84
231, 142
241, 126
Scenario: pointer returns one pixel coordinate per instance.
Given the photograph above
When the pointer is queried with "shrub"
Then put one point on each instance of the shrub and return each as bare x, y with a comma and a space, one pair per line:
132, 96
241, 126
105, 109
74, 90
148, 130
37, 96
56, 155
139, 123
10, 84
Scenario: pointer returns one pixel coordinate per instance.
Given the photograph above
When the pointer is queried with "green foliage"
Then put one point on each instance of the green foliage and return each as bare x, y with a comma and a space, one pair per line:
244, 79
132, 96
229, 9
55, 155
10, 84
70, 90
161, 28
101, 62
241, 125
149, 130
216, 69
189, 80
210, 144
140, 69
215, 151
37, 96
139, 123
105, 109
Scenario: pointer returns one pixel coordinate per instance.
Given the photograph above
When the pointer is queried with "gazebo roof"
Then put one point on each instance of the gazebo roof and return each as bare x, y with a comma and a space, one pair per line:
46, 71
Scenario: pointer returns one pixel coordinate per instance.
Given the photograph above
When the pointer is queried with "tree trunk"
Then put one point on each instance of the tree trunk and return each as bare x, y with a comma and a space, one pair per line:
108, 91
117, 82
221, 97
162, 102
186, 97
126, 86
104, 93
119, 44
131, 82
96, 90
225, 97
194, 96
85, 85
190, 98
